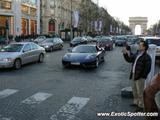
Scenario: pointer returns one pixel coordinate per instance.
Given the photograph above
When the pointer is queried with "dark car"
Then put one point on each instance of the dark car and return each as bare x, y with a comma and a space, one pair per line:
84, 55
106, 43
120, 41
77, 41
51, 44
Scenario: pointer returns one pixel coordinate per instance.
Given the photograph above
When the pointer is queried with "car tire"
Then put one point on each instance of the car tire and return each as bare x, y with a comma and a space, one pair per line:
61, 47
41, 58
51, 49
17, 64
103, 60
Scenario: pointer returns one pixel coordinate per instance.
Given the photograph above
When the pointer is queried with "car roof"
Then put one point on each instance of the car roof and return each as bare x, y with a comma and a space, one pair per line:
150, 37
88, 45
22, 43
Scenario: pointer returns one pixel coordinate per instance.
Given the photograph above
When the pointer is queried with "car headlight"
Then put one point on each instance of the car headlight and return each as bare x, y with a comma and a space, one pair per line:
67, 56
6, 59
90, 57
46, 46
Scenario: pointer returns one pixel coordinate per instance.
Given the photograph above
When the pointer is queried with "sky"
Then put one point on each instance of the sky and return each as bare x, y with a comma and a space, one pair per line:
123, 9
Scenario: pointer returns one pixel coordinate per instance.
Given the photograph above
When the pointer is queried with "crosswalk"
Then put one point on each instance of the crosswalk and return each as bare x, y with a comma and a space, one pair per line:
68, 111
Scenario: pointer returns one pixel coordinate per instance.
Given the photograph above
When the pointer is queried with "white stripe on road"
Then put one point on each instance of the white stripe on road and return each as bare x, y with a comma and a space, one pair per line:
7, 92
70, 109
4, 118
37, 98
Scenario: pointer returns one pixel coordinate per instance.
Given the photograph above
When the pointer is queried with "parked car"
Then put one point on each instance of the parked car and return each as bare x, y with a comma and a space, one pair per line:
95, 39
40, 39
120, 41
77, 41
51, 44
17, 54
106, 43
89, 39
84, 55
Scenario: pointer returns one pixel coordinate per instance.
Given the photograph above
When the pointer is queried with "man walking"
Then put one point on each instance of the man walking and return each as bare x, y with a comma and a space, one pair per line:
141, 66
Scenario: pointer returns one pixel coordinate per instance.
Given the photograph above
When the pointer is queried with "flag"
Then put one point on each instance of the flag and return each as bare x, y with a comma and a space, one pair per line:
111, 28
95, 25
100, 25
75, 19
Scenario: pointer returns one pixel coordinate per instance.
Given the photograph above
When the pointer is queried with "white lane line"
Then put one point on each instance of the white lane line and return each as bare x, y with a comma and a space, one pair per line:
4, 118
7, 92
70, 109
37, 98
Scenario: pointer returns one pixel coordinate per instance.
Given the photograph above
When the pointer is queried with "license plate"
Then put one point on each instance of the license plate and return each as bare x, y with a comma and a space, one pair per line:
75, 63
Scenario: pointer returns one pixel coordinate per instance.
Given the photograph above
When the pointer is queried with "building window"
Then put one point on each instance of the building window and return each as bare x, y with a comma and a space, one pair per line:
5, 5
33, 27
33, 11
25, 27
25, 9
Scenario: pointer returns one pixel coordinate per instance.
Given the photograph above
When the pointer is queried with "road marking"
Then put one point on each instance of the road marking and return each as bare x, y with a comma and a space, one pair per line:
70, 109
7, 92
37, 98
4, 118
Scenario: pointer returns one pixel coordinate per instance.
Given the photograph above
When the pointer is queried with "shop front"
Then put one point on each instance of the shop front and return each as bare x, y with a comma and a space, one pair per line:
6, 24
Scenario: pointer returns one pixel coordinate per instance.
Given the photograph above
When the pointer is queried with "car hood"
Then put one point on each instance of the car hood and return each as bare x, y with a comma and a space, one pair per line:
9, 54
74, 42
78, 57
45, 44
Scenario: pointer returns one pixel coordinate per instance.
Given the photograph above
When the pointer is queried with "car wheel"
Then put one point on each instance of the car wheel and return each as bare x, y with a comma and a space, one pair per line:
61, 47
17, 64
51, 49
41, 58
97, 63
103, 60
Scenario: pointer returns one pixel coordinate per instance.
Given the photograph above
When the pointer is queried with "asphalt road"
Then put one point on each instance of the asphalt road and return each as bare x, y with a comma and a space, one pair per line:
47, 91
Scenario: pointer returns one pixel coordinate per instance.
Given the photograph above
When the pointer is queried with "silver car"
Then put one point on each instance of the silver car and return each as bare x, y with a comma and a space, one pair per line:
51, 44
17, 54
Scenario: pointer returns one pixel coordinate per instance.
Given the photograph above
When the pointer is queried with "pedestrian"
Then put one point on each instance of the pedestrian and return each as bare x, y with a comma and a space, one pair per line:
141, 66
149, 97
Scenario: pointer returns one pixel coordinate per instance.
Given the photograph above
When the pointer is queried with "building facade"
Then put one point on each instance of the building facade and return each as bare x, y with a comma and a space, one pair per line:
56, 15
19, 17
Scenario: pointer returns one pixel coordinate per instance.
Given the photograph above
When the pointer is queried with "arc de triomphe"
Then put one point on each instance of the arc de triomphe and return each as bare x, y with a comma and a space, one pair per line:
142, 21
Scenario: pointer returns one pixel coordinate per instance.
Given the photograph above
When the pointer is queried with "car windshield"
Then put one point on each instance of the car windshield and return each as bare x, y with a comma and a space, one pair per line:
121, 38
104, 40
12, 48
84, 49
48, 41
154, 41
77, 39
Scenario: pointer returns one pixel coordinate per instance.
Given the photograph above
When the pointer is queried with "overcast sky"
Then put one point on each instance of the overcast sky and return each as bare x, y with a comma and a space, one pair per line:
123, 9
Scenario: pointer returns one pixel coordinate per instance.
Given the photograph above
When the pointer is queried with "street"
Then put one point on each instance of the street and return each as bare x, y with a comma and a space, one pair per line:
47, 91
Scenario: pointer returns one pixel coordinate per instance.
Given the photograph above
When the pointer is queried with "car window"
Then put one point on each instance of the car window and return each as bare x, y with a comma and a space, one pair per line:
34, 46
12, 48
27, 48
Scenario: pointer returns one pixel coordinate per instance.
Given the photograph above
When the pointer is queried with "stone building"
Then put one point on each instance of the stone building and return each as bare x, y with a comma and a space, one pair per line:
56, 15
19, 17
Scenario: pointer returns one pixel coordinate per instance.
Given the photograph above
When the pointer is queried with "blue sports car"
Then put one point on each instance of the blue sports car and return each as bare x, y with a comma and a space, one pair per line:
84, 55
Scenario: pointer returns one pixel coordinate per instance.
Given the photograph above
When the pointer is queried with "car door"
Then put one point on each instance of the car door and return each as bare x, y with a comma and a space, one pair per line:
35, 52
27, 54
56, 43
